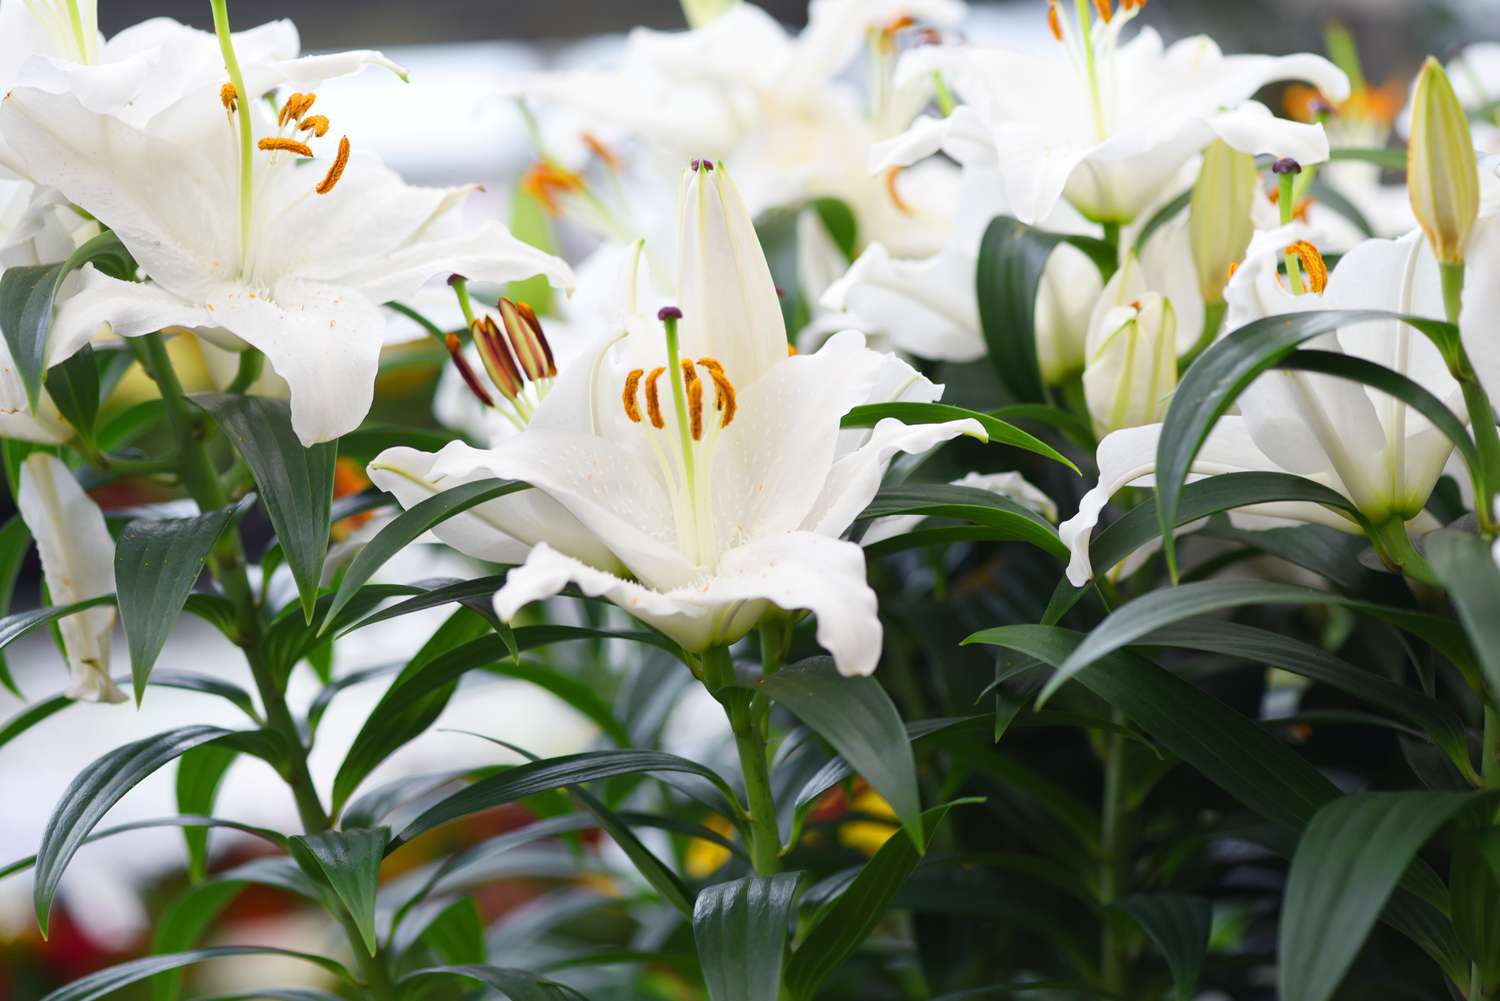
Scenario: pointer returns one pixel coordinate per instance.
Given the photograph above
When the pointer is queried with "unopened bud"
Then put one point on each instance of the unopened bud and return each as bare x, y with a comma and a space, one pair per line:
1219, 223
1442, 172
1132, 364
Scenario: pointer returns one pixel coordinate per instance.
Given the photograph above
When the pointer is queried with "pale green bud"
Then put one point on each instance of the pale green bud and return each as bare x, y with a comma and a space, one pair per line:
1132, 364
701, 12
1441, 171
1219, 224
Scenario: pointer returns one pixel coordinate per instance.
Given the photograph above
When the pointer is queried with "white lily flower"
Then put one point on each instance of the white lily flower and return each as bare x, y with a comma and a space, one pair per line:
1362, 443
78, 563
740, 88
709, 462
300, 277
1113, 123
1132, 363
1481, 299
930, 308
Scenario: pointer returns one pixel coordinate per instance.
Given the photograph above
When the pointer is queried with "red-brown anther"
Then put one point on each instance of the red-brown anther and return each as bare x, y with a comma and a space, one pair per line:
497, 358
520, 325
541, 336
471, 379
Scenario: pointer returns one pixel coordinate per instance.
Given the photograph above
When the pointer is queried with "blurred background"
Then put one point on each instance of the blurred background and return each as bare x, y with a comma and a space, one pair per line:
450, 125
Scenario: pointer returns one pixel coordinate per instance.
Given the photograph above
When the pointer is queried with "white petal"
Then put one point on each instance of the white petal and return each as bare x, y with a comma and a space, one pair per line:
794, 572
170, 204
1128, 458
927, 307
1482, 303
324, 341
102, 304
724, 286
78, 563
962, 135
308, 72
501, 530
1251, 128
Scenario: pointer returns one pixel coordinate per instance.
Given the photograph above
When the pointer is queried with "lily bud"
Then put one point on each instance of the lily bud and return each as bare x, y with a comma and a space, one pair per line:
1132, 364
1219, 224
724, 286
701, 12
1441, 170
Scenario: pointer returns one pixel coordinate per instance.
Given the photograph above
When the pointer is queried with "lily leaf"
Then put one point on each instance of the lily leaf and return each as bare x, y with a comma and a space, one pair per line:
349, 862
740, 929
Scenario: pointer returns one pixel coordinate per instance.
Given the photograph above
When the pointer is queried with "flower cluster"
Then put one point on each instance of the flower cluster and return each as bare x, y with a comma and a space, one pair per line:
823, 366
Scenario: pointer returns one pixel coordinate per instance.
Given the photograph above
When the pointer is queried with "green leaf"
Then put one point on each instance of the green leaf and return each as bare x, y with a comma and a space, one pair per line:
349, 862
457, 933
294, 483
511, 984
18, 624
184, 922
840, 222
997, 432
1012, 258
1348, 862
1376, 376
843, 925
107, 981
102, 784
1141, 525
857, 717
1232, 751
74, 387
548, 774
199, 772
1213, 382
157, 561
1474, 885
444, 591
740, 930
415, 699
21, 865
1467, 568
1156, 609
942, 500
26, 296
406, 527
1179, 925
1441, 724
15, 541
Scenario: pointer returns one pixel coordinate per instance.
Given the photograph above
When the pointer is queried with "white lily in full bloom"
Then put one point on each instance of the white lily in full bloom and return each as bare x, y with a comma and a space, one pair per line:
740, 88
1364, 444
1107, 124
929, 307
297, 269
708, 461
78, 563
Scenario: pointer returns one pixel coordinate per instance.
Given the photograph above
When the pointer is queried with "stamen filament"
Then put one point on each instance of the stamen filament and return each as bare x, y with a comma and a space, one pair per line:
237, 79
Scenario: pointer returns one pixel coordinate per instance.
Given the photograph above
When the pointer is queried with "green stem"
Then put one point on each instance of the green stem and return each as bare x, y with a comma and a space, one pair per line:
465, 304
750, 742
251, 364
1477, 401
1395, 548
1112, 860
377, 979
247, 167
1086, 39
201, 480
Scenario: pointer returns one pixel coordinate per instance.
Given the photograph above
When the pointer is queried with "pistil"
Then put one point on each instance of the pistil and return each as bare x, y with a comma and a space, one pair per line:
1086, 40
242, 109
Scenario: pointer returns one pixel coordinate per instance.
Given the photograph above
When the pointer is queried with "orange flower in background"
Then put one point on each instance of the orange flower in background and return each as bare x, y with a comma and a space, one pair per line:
349, 479
1375, 105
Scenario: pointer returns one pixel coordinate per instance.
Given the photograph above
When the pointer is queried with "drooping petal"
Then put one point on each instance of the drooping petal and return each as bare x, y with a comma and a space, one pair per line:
102, 304
178, 223
926, 307
323, 340
501, 530
724, 285
45, 427
78, 563
1128, 458
797, 571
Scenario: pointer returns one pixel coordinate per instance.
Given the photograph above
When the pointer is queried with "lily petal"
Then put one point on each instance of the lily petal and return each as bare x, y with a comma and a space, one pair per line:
794, 572
78, 563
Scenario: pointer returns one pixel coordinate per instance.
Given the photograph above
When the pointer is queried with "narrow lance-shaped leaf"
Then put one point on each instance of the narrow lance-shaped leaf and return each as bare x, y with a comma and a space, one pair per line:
996, 431
111, 979
406, 527
1213, 382
1348, 862
857, 717
1467, 567
157, 561
349, 862
295, 483
1179, 924
740, 929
